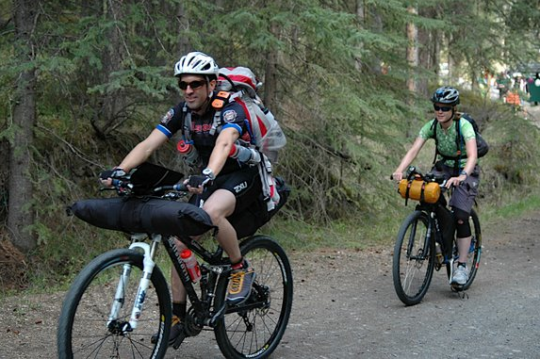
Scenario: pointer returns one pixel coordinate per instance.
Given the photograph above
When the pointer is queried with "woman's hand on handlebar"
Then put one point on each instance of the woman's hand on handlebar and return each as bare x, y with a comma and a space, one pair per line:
455, 181
396, 176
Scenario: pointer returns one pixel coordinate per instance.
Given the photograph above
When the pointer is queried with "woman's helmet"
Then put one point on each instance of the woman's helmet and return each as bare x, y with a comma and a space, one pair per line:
446, 95
196, 63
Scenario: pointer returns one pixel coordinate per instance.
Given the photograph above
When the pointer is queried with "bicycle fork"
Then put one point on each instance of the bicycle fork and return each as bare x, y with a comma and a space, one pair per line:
148, 268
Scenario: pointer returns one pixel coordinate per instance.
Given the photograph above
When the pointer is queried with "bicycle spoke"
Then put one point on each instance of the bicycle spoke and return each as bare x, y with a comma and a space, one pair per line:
85, 329
255, 328
412, 265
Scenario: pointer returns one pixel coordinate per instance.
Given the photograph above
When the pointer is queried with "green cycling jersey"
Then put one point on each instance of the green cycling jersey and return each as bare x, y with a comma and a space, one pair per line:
446, 139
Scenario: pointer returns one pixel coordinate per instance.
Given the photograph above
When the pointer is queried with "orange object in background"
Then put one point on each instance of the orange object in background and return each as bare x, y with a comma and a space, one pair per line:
513, 99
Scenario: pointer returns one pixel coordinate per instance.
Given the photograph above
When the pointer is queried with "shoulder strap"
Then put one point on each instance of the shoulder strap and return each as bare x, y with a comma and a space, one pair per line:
459, 142
457, 159
458, 136
186, 124
434, 129
219, 101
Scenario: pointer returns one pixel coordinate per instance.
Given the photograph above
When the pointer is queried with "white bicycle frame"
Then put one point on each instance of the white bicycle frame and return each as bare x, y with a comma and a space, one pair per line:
148, 267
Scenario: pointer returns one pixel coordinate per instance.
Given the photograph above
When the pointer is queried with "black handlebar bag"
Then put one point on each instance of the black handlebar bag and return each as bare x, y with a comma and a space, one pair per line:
143, 215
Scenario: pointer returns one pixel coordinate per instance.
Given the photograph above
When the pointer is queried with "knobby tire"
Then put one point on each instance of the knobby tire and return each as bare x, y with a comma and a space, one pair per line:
255, 328
413, 260
83, 331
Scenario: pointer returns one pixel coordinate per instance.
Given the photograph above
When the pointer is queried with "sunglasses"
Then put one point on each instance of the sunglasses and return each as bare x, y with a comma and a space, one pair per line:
439, 108
193, 84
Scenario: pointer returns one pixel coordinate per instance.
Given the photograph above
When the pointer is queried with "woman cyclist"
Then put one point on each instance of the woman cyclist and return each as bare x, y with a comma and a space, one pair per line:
462, 171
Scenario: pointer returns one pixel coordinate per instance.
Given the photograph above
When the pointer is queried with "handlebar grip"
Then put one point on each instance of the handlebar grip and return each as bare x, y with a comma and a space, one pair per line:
116, 183
180, 187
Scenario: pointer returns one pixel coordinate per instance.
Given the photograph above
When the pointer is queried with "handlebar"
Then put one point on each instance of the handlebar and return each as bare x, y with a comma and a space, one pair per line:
412, 172
124, 187
178, 187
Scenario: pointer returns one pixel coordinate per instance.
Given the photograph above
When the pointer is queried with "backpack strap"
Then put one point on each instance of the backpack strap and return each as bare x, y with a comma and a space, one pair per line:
186, 125
434, 129
219, 101
458, 133
459, 143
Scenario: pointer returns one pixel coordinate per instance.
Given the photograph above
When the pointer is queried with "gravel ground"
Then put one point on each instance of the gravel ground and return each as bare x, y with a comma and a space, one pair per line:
345, 307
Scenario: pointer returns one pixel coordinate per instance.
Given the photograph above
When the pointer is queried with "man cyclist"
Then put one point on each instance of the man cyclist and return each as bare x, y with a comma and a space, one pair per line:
462, 172
223, 187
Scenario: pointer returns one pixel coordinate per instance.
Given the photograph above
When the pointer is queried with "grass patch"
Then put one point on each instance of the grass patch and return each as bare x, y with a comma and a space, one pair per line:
513, 208
344, 234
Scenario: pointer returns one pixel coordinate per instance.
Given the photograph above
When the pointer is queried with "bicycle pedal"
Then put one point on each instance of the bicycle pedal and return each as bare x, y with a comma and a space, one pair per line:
178, 341
456, 287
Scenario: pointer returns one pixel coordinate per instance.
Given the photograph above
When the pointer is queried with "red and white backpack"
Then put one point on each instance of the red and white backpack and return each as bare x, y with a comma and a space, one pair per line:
239, 84
266, 134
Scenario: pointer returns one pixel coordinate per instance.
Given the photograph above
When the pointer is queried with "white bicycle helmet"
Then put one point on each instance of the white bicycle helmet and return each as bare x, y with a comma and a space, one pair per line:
196, 63
447, 95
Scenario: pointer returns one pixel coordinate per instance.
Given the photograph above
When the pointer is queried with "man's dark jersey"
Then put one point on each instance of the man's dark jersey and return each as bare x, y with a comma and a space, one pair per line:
232, 115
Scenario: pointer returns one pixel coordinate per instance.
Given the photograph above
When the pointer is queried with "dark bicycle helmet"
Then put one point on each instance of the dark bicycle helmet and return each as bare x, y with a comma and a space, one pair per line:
447, 95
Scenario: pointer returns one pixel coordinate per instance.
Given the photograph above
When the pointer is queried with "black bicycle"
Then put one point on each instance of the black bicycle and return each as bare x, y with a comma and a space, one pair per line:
426, 240
121, 299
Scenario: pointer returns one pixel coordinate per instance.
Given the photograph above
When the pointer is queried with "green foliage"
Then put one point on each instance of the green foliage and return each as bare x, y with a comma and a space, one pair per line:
105, 78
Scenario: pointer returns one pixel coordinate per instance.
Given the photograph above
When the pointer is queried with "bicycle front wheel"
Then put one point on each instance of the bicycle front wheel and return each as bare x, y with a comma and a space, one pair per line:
255, 328
86, 328
414, 259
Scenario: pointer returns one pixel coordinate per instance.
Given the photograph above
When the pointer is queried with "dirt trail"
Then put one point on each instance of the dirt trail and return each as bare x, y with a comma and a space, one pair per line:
345, 307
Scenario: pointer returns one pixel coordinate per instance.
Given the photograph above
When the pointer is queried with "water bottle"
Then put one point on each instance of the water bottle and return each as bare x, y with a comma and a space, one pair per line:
192, 265
246, 155
189, 153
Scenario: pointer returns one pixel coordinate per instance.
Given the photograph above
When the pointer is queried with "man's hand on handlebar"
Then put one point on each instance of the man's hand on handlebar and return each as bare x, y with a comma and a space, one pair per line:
196, 183
106, 177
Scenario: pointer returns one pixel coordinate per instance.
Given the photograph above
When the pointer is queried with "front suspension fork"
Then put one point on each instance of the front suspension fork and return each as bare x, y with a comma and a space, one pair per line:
144, 283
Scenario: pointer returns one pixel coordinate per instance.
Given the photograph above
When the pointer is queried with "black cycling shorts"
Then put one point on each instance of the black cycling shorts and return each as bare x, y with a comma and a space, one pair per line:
245, 184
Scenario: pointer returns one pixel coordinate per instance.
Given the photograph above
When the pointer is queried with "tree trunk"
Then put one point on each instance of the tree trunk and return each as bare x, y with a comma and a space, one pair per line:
427, 53
270, 86
436, 39
361, 18
270, 79
20, 212
424, 62
183, 27
412, 52
113, 104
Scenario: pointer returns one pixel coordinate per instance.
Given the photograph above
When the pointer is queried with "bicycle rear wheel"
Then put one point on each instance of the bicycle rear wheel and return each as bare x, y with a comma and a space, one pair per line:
475, 252
255, 328
414, 259
84, 329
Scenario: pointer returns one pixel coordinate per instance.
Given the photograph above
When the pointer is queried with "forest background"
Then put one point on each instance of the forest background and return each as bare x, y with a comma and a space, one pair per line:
82, 82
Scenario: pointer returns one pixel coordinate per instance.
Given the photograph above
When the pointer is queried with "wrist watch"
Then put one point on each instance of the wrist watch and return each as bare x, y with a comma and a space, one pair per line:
209, 173
463, 172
